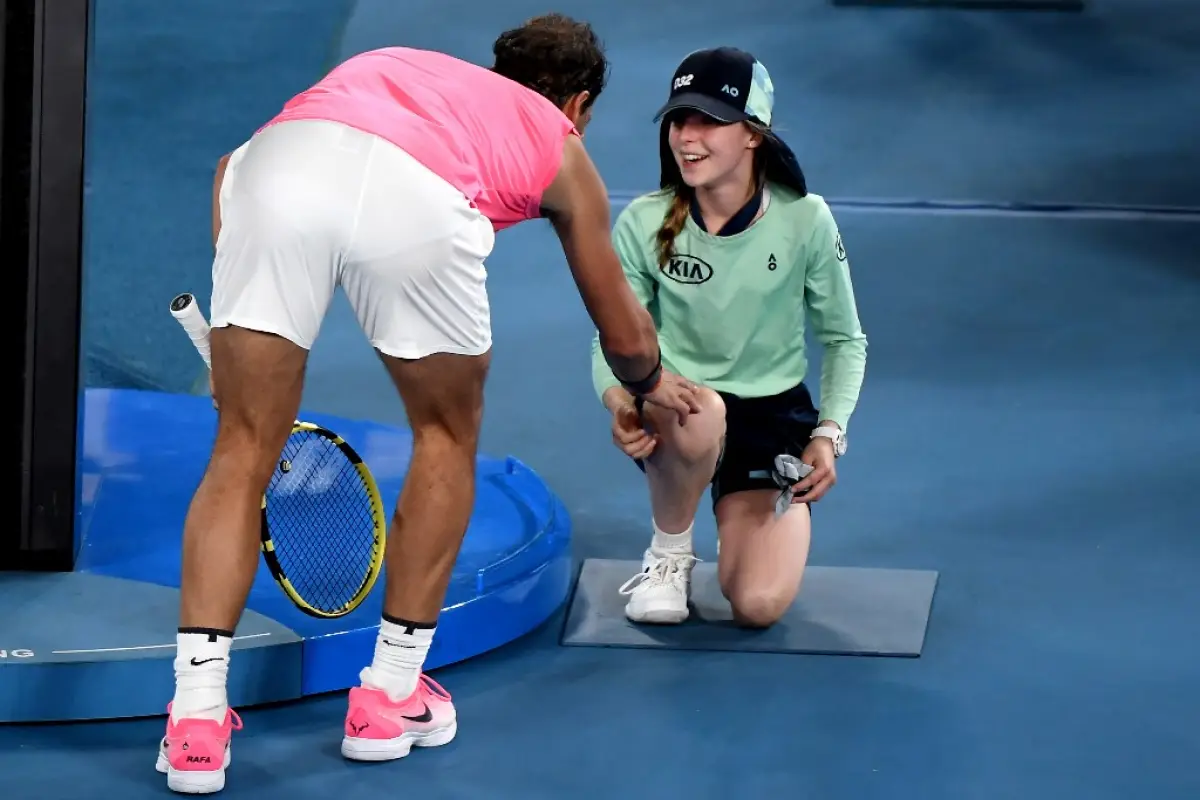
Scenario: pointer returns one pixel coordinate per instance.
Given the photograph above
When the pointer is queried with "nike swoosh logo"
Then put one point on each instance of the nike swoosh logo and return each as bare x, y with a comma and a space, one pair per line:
196, 663
425, 717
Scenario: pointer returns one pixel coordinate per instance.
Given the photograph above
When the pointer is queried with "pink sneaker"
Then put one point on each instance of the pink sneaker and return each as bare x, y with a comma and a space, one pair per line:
195, 753
378, 729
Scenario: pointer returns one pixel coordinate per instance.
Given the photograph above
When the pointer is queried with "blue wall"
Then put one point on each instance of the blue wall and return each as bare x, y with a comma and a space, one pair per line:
877, 104
172, 87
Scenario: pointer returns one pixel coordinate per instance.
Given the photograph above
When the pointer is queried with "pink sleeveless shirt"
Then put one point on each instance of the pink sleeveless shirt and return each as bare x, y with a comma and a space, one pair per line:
494, 140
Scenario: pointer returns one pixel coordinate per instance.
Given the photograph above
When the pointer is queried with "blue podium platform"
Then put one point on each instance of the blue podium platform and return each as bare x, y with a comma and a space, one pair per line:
99, 642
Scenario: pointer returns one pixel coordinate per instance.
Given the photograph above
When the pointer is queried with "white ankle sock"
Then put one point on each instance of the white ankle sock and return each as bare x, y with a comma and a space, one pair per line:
665, 543
201, 668
400, 652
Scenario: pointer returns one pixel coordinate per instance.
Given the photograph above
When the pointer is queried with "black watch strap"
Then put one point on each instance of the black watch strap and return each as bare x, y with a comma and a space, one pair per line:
647, 384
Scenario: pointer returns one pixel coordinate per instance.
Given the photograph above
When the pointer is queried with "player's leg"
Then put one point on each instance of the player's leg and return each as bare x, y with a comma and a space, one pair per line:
762, 558
273, 277
417, 282
677, 473
260, 377
443, 396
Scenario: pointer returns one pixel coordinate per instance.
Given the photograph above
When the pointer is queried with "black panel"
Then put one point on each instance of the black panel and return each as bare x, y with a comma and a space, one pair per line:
41, 209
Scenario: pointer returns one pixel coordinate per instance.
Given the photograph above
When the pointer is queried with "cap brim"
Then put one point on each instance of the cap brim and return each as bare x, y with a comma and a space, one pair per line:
709, 106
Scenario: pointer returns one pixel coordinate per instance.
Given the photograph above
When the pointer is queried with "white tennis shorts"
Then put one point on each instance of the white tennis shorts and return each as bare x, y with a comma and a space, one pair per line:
308, 206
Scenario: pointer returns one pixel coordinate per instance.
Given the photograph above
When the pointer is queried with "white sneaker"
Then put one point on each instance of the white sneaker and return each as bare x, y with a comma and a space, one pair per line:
659, 593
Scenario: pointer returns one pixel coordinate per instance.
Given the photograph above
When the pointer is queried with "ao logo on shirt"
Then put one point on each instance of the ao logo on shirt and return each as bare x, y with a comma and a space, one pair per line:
684, 268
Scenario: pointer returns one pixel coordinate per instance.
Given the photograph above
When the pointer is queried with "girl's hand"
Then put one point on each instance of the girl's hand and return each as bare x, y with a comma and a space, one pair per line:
818, 455
629, 434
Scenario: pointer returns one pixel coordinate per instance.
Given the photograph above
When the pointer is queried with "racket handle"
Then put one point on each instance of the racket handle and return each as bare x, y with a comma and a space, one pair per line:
187, 313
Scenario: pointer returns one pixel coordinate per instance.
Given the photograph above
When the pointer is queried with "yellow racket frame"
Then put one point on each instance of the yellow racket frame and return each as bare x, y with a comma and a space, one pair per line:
379, 533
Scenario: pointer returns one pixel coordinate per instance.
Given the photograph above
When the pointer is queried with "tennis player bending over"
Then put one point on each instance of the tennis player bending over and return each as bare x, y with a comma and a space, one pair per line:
388, 178
733, 257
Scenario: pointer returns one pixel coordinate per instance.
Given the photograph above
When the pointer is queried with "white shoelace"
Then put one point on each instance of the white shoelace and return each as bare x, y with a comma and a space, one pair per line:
668, 570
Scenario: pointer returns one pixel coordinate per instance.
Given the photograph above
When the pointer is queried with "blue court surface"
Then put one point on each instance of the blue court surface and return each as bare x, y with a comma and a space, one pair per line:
1019, 194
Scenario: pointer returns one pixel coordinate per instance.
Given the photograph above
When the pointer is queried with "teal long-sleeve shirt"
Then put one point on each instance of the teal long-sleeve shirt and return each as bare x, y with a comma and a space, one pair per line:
731, 311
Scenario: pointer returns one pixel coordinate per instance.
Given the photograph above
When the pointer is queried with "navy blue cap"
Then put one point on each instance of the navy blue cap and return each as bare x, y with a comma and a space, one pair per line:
730, 85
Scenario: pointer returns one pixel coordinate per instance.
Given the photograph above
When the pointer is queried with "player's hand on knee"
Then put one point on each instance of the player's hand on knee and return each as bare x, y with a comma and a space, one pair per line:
629, 434
818, 455
676, 394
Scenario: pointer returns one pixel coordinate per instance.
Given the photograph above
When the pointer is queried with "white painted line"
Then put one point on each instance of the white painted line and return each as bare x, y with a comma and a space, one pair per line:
985, 208
141, 647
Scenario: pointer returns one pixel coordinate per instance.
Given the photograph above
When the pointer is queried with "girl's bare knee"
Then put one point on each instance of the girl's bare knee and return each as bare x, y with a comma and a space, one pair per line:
711, 403
756, 608
700, 438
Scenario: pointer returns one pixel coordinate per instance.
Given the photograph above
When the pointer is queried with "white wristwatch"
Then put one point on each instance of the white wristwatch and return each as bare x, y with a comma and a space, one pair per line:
836, 435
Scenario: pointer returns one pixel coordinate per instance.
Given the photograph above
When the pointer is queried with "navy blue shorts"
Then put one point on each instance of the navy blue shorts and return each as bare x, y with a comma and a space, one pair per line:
756, 430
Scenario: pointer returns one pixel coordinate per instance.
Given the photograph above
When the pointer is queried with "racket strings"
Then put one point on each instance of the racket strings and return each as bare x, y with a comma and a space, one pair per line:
321, 520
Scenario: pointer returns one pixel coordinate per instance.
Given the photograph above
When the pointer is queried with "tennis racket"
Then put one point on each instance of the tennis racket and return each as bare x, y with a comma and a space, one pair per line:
323, 524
